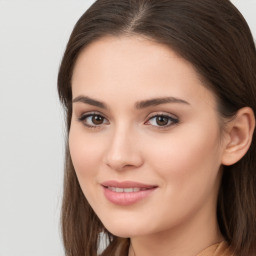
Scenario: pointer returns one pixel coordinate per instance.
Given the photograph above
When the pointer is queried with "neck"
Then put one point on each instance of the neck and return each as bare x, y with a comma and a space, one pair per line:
187, 239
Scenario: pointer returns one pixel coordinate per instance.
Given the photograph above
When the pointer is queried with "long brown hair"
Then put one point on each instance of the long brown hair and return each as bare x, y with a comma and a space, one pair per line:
215, 38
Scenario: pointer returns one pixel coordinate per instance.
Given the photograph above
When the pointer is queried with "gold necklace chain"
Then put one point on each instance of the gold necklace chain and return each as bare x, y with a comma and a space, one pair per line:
134, 254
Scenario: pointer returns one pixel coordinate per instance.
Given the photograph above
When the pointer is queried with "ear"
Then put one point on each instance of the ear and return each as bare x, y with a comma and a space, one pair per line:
239, 136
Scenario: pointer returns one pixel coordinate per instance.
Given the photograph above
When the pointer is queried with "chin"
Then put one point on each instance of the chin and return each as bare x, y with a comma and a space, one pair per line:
123, 233
126, 228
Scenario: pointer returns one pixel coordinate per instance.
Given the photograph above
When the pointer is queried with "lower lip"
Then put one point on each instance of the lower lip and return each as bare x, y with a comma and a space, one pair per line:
125, 198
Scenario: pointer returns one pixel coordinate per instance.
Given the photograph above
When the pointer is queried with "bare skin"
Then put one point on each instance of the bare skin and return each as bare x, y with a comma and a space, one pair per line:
174, 144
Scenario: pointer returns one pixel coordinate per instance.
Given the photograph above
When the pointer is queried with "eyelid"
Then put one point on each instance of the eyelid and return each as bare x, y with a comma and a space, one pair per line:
83, 116
174, 119
160, 113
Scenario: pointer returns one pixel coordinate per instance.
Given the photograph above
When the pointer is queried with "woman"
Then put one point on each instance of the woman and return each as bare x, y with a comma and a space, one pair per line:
160, 102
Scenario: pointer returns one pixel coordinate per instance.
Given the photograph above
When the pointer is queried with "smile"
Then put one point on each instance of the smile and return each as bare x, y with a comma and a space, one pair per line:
125, 190
126, 193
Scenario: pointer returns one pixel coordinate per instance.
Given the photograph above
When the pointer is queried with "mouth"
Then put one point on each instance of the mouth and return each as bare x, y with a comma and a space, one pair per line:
126, 193
125, 190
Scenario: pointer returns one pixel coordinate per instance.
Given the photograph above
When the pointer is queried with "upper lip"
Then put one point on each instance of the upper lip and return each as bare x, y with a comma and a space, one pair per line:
126, 184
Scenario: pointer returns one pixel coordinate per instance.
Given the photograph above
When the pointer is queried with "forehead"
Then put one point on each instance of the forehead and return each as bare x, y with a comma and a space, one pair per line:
129, 64
126, 52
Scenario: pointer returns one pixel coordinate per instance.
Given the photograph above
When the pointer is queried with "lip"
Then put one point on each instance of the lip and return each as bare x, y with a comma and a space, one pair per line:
137, 191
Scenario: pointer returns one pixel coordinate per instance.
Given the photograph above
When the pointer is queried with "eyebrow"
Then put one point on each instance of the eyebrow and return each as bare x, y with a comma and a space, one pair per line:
159, 101
90, 101
138, 105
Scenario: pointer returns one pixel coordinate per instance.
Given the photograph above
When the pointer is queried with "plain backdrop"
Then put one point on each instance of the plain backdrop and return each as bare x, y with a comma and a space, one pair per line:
33, 35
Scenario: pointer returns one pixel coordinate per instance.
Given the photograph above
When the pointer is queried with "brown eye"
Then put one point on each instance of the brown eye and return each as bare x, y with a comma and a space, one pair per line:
97, 119
93, 120
162, 120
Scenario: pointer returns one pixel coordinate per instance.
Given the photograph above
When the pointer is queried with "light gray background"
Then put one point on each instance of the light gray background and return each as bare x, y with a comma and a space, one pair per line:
33, 35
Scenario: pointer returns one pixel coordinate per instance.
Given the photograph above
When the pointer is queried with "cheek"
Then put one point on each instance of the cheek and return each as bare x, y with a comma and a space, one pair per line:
188, 167
85, 153
187, 159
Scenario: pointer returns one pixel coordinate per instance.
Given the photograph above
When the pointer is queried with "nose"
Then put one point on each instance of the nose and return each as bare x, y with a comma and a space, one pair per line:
123, 150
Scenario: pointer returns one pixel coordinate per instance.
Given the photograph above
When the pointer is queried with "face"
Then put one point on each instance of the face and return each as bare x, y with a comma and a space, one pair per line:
145, 137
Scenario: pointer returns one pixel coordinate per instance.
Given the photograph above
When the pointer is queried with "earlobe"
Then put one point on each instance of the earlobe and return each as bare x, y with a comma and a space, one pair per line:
240, 132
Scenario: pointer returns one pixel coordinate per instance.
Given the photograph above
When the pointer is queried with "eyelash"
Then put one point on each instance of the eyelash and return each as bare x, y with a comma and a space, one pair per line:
85, 116
171, 120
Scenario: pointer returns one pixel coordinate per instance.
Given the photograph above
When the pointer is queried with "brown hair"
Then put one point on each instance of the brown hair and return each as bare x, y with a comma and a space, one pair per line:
215, 38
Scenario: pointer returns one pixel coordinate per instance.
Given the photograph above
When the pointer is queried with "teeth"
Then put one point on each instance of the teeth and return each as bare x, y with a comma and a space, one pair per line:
119, 190
125, 190
128, 190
